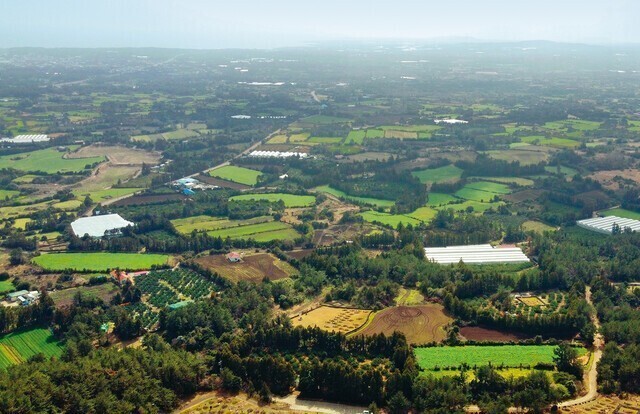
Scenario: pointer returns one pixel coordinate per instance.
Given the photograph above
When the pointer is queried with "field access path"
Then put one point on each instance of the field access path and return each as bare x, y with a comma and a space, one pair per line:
590, 377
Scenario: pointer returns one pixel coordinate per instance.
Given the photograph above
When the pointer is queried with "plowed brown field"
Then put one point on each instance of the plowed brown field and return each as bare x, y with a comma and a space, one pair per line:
420, 324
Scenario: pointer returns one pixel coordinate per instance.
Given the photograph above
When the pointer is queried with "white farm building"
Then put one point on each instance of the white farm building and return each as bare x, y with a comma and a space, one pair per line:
475, 254
26, 139
97, 226
605, 224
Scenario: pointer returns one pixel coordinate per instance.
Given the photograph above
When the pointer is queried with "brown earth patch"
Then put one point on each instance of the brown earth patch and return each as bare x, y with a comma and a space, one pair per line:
521, 196
420, 324
477, 333
609, 178
252, 268
118, 155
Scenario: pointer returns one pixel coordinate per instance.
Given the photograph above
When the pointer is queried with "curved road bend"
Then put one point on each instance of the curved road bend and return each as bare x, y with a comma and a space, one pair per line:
590, 377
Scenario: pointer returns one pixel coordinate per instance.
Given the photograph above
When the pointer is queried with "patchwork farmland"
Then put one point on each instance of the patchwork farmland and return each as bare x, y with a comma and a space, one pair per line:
19, 346
329, 318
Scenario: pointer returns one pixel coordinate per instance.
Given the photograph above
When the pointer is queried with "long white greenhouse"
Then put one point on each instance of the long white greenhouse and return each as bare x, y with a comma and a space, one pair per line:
605, 224
475, 254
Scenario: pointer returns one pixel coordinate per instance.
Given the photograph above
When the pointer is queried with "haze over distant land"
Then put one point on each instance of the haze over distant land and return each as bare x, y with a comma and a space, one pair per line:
258, 24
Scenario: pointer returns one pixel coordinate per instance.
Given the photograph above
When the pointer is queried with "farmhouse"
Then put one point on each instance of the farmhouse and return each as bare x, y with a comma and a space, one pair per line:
234, 257
13, 297
606, 225
475, 254
99, 226
25, 298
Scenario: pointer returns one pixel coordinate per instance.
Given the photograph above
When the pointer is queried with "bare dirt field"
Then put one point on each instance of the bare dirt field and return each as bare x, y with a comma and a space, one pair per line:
477, 333
218, 402
299, 254
343, 320
65, 297
118, 155
521, 196
252, 268
420, 324
608, 178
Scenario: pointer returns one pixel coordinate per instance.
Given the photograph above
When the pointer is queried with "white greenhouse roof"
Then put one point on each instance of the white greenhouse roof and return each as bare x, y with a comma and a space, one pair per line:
475, 254
605, 224
97, 225
26, 139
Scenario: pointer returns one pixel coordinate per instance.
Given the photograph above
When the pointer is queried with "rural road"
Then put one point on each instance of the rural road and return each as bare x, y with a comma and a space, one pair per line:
590, 378
298, 404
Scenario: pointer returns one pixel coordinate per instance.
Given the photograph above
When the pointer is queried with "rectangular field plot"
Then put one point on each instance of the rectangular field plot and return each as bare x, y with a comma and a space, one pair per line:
163, 288
361, 200
290, 200
483, 191
253, 268
333, 319
99, 262
65, 297
507, 355
17, 347
448, 173
48, 161
240, 175
420, 324
262, 232
209, 223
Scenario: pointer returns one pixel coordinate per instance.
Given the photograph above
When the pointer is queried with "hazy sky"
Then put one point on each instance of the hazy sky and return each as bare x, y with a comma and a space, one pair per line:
275, 23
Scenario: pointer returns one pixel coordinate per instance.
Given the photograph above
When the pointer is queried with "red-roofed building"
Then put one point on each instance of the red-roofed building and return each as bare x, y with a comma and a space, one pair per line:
234, 257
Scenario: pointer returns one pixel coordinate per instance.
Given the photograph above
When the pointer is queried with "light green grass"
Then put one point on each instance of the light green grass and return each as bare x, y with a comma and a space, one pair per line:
98, 262
577, 124
108, 194
362, 200
258, 232
356, 137
563, 170
21, 223
325, 140
8, 194
48, 161
6, 286
439, 175
290, 200
621, 212
68, 205
208, 223
440, 199
537, 226
425, 214
524, 182
490, 187
18, 347
507, 355
389, 219
239, 175
375, 133
477, 206
550, 142
324, 120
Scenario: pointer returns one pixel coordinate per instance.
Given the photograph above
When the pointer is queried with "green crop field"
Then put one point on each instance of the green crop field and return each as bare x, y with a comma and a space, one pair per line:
439, 175
237, 174
375, 133
7, 194
48, 161
537, 226
356, 137
507, 355
577, 124
362, 200
6, 286
425, 214
325, 140
477, 206
262, 232
523, 155
621, 212
524, 182
98, 262
17, 347
490, 187
208, 223
290, 200
440, 199
389, 219
553, 169
550, 142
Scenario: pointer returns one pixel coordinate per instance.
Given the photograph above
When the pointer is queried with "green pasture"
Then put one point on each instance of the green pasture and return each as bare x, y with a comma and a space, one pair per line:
239, 175
439, 175
290, 200
98, 262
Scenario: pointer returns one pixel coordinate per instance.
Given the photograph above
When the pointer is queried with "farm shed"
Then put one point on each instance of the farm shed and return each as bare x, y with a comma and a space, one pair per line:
475, 254
605, 225
13, 297
97, 226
